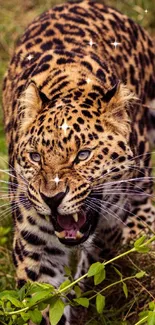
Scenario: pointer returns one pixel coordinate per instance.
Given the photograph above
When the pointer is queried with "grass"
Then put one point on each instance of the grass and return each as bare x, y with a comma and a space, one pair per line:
14, 17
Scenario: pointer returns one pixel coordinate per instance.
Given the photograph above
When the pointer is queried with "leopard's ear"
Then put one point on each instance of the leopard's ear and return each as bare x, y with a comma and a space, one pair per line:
30, 105
118, 101
111, 92
119, 96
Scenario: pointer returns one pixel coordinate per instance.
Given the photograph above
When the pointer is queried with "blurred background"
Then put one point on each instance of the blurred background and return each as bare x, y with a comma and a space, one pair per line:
15, 15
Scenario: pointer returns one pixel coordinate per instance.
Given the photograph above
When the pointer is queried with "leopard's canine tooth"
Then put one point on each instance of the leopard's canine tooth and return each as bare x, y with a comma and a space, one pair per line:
75, 217
79, 235
47, 218
60, 234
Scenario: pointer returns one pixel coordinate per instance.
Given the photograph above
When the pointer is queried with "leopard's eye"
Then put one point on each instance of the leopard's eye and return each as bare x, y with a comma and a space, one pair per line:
83, 155
35, 156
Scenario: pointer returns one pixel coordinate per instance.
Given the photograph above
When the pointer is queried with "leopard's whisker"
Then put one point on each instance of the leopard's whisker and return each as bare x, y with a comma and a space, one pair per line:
113, 214
115, 187
144, 154
94, 204
134, 167
13, 184
8, 195
131, 214
123, 193
11, 208
125, 181
23, 200
5, 171
111, 170
113, 204
6, 204
8, 210
2, 197
13, 169
119, 188
138, 170
91, 205
6, 191
13, 189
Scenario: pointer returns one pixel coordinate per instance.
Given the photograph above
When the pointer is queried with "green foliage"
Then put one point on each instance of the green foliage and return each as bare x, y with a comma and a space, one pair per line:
82, 301
95, 269
4, 231
56, 310
17, 307
147, 315
100, 303
141, 11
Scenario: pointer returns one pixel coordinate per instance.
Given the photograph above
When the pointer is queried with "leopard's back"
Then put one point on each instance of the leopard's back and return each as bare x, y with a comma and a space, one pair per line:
88, 32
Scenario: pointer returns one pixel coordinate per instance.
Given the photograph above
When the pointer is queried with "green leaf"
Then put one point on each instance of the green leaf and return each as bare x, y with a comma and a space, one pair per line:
37, 297
100, 303
82, 301
25, 316
13, 300
144, 249
67, 270
2, 313
95, 268
140, 274
56, 310
151, 318
35, 287
152, 305
11, 293
64, 284
4, 230
125, 289
99, 277
35, 316
21, 293
46, 286
77, 291
139, 241
118, 272
143, 314
42, 305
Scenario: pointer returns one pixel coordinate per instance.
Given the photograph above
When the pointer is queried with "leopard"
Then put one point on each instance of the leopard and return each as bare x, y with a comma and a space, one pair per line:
78, 102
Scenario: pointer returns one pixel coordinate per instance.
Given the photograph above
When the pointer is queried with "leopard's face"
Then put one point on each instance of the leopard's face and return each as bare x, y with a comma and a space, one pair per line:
65, 155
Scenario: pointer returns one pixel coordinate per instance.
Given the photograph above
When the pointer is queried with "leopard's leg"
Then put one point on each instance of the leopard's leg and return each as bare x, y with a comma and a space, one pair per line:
38, 254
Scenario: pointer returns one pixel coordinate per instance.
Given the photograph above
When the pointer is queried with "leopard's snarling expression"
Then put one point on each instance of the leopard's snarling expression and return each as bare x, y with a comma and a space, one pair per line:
66, 151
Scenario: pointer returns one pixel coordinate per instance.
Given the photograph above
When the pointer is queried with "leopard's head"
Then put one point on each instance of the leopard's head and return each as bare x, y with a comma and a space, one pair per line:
68, 150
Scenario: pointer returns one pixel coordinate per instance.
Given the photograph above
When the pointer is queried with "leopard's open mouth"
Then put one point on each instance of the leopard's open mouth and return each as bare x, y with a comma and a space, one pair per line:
73, 229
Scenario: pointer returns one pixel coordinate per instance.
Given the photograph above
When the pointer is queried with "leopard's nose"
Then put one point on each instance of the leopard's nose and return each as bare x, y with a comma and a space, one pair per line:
54, 201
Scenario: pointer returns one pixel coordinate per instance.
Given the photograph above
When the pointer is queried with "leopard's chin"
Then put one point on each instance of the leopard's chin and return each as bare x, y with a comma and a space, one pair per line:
74, 229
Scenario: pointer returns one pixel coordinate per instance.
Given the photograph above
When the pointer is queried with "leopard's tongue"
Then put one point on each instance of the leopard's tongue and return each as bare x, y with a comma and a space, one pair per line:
67, 222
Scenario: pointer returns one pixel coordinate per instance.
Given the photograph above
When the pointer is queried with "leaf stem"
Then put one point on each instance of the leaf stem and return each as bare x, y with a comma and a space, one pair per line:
16, 311
113, 284
60, 291
141, 321
104, 263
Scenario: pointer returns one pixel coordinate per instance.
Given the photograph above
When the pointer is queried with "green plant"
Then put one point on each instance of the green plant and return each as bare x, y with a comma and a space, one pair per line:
19, 306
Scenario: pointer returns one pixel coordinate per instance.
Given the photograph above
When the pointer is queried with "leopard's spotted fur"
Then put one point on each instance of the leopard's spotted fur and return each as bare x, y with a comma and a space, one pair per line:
66, 70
